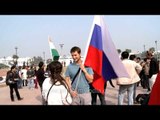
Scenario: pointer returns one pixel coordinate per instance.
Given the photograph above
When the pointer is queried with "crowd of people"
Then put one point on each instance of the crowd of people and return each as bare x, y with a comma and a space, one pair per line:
73, 86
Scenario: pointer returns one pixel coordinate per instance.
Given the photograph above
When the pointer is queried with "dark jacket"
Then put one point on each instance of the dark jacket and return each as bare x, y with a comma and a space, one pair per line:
10, 78
154, 67
40, 76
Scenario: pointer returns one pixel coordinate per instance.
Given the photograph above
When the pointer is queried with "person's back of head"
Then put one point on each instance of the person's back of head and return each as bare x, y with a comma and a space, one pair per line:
132, 57
55, 67
31, 67
125, 55
40, 64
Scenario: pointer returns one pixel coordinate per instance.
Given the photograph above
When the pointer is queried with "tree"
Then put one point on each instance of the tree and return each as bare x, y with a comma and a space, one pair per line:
143, 54
15, 58
152, 49
36, 60
119, 51
128, 50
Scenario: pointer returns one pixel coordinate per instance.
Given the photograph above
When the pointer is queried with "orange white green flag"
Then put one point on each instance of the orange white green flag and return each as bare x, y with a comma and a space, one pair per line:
53, 51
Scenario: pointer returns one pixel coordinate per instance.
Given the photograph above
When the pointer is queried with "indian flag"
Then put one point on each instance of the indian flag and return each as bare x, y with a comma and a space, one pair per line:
54, 52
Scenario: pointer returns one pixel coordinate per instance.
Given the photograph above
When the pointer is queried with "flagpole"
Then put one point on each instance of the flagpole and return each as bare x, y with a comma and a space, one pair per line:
49, 46
89, 38
86, 49
85, 54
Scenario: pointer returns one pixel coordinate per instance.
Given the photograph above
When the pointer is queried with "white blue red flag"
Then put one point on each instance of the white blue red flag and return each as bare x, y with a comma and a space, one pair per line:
102, 56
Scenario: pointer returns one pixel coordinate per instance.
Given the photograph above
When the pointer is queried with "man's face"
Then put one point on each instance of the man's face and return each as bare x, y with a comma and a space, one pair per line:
14, 70
76, 56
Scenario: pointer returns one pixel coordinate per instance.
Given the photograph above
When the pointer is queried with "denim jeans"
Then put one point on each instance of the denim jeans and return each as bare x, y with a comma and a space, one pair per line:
122, 91
30, 83
20, 83
134, 93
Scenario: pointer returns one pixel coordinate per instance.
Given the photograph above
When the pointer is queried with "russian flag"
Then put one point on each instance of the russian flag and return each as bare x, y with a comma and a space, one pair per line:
102, 56
155, 93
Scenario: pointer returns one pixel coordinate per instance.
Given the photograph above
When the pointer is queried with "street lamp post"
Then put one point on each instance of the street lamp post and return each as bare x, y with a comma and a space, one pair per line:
156, 49
16, 48
61, 46
5, 60
144, 48
44, 56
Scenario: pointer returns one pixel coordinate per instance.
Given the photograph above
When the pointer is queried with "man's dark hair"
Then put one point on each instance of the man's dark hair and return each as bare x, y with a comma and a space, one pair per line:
132, 57
40, 64
138, 58
14, 66
125, 54
74, 49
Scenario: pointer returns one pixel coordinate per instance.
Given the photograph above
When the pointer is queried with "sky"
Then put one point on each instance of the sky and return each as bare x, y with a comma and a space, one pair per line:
29, 33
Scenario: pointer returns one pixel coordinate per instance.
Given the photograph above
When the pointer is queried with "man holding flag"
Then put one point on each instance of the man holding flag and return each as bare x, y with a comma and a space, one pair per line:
78, 78
102, 56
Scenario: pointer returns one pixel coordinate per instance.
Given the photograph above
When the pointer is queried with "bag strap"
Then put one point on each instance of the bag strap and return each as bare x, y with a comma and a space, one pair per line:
75, 76
79, 77
48, 92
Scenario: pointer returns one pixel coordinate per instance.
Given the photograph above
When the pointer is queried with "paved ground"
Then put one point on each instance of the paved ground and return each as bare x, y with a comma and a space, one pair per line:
33, 97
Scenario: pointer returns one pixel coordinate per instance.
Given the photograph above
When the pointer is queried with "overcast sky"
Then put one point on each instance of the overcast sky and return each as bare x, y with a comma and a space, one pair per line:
30, 33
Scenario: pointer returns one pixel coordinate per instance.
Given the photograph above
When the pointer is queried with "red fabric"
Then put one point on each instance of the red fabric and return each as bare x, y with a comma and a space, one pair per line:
102, 57
98, 83
94, 60
36, 83
155, 93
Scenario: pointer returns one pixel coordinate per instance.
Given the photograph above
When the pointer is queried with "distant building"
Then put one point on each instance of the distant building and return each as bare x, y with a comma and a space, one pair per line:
66, 60
9, 61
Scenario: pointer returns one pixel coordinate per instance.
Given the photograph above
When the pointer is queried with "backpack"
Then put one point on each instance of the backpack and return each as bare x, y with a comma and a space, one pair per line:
143, 99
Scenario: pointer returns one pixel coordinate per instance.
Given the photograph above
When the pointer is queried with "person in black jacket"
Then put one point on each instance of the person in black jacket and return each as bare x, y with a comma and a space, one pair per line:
153, 69
11, 75
40, 74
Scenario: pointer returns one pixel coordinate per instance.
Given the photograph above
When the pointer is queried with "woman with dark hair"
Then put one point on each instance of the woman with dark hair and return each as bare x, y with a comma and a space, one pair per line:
54, 88
10, 79
40, 74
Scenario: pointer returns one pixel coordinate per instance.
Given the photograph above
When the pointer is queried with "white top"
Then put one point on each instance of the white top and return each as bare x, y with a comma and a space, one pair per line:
133, 69
57, 95
24, 76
